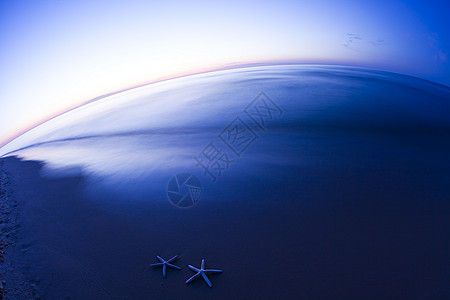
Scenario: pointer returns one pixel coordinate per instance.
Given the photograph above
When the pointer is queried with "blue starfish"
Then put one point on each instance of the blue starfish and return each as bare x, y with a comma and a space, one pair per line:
166, 263
202, 272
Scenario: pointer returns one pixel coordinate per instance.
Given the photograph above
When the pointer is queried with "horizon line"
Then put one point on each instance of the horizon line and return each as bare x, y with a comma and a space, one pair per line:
229, 66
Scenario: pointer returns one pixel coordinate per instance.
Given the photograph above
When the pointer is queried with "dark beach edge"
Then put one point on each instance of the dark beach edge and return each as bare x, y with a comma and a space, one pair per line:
13, 283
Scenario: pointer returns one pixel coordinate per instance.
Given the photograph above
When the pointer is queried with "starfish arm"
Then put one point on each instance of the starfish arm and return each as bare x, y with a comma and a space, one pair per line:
173, 266
212, 271
160, 259
193, 277
203, 264
164, 270
157, 265
193, 268
172, 259
206, 279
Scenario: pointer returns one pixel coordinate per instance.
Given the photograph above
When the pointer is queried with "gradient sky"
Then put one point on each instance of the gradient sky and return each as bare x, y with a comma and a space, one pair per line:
55, 55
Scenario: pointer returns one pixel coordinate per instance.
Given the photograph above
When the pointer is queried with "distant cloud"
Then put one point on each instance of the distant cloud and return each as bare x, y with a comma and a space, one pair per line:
378, 42
442, 56
357, 41
431, 40
350, 39
433, 43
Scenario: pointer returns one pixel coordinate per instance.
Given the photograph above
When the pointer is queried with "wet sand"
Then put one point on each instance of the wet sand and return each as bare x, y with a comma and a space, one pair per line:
303, 233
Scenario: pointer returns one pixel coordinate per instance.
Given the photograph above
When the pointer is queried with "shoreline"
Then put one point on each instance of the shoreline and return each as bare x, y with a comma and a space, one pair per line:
13, 283
373, 224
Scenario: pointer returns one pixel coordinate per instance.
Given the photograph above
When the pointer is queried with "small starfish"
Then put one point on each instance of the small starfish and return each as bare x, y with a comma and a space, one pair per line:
202, 272
166, 263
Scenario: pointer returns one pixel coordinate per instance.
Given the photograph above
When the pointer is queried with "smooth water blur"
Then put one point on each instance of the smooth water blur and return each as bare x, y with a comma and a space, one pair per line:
344, 195
153, 132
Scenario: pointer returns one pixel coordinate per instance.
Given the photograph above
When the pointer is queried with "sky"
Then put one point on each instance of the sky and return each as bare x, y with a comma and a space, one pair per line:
56, 55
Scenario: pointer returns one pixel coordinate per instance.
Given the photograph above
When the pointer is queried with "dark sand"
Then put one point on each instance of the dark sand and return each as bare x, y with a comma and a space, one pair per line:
375, 232
13, 283
347, 196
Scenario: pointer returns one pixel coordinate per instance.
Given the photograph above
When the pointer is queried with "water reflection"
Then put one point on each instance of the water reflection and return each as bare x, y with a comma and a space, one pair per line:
151, 133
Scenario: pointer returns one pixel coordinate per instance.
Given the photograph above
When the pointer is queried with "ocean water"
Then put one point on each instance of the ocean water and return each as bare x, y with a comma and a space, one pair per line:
322, 182
159, 129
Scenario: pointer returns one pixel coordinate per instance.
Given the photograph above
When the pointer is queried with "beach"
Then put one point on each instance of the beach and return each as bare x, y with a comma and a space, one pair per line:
340, 190
59, 244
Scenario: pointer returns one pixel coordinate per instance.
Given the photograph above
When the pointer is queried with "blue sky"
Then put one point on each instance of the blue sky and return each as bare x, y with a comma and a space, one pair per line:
55, 55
